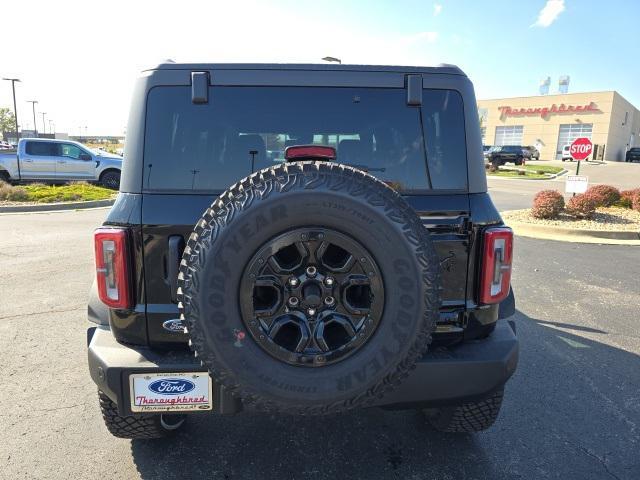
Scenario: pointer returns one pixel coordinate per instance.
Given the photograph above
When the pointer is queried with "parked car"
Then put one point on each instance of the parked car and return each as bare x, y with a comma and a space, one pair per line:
310, 284
632, 155
45, 160
566, 153
5, 145
500, 155
534, 154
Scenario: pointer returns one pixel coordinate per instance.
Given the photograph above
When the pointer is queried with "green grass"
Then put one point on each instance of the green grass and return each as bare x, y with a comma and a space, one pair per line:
41, 193
515, 174
541, 168
531, 171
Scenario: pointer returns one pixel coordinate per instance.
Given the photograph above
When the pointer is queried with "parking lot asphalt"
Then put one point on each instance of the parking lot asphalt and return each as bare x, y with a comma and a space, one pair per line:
572, 410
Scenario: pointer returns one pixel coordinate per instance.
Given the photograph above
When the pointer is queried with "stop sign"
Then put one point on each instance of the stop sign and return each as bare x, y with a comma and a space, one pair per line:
581, 148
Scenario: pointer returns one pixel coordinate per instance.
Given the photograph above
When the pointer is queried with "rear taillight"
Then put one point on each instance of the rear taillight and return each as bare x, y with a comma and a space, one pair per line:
112, 262
495, 278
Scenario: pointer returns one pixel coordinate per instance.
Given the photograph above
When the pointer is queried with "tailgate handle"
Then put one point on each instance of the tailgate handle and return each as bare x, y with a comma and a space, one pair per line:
176, 247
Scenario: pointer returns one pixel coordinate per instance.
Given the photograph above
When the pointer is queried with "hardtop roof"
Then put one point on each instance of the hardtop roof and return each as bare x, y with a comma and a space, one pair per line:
437, 69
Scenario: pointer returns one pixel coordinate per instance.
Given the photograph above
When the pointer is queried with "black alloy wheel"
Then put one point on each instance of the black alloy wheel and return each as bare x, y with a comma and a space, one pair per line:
312, 296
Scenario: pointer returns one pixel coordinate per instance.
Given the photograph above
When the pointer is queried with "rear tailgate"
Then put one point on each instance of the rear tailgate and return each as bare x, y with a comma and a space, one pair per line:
168, 220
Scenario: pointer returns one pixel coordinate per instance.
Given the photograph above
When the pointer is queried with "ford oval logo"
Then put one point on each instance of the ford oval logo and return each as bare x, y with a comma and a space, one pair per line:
174, 325
171, 386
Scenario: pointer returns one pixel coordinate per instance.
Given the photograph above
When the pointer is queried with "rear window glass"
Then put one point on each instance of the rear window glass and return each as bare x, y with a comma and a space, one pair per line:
207, 147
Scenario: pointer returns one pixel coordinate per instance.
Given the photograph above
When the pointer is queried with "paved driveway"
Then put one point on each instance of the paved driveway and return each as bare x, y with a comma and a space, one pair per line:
572, 411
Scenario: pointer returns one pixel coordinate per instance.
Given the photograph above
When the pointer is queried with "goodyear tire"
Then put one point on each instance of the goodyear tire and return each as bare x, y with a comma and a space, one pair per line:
335, 240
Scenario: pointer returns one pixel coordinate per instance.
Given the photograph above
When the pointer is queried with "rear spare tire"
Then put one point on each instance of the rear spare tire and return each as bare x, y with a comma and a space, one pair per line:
309, 288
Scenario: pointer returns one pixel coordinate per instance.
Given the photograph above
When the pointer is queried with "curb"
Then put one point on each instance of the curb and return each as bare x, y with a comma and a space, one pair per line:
563, 234
56, 207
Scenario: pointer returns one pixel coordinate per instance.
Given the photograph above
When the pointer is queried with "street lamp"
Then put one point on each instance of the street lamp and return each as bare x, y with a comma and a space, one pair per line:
44, 125
15, 110
52, 129
332, 59
33, 105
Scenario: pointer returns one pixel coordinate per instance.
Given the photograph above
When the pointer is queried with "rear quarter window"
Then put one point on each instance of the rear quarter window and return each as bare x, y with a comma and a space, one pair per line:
443, 123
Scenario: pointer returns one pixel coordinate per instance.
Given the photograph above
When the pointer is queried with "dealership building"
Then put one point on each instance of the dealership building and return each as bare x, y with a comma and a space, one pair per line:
548, 122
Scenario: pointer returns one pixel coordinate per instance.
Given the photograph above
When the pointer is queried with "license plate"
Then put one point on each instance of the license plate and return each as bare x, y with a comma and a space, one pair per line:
170, 392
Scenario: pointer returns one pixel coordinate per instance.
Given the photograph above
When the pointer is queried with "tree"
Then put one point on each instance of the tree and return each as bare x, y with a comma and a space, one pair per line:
7, 120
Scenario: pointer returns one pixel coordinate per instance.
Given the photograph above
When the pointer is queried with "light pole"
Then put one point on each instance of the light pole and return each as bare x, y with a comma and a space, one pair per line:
44, 125
15, 110
332, 59
52, 129
33, 105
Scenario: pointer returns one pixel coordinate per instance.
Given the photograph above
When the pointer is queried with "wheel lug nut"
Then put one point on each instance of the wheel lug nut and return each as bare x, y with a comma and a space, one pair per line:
293, 281
329, 301
293, 301
311, 312
328, 281
312, 271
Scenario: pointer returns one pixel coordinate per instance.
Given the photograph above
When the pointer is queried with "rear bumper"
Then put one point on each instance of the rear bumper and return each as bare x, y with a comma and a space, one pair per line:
446, 376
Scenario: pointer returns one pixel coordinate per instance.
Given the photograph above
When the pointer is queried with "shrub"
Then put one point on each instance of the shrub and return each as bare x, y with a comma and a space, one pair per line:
603, 195
581, 206
635, 202
18, 194
493, 168
522, 172
547, 204
627, 196
5, 188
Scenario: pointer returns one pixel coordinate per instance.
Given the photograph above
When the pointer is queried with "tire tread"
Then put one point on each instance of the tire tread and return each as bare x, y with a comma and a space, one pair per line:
469, 417
132, 427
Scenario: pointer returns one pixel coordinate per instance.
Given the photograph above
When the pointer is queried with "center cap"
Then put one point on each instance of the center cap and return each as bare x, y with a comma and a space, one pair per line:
312, 294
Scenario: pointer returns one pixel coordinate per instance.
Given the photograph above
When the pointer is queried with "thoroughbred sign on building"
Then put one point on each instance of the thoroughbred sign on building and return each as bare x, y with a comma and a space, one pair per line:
549, 122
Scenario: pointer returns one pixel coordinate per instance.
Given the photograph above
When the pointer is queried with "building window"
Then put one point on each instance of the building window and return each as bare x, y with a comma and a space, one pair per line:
509, 135
569, 132
483, 134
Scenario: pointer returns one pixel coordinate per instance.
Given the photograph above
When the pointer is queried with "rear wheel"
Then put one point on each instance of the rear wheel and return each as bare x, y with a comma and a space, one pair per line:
4, 176
468, 417
137, 427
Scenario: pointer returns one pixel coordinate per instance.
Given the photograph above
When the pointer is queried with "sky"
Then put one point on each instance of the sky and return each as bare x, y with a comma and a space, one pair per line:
80, 59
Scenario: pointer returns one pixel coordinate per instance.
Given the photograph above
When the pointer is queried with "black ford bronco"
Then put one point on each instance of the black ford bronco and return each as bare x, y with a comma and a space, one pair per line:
304, 240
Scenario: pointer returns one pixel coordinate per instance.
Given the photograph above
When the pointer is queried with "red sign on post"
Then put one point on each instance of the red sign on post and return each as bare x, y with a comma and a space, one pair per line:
581, 148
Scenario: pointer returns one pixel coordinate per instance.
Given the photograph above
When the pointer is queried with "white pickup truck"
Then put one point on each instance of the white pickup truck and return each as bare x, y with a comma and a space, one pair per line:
46, 160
